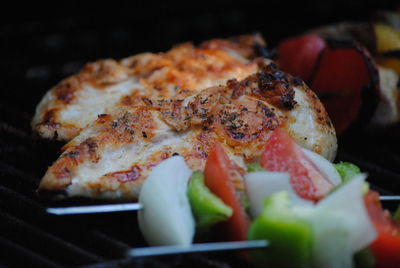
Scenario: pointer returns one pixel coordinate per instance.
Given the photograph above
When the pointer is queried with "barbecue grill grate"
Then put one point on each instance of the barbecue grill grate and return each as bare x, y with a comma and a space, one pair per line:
40, 53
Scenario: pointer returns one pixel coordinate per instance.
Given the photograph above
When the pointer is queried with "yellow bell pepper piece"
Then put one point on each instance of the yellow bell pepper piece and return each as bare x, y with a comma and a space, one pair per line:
392, 63
387, 38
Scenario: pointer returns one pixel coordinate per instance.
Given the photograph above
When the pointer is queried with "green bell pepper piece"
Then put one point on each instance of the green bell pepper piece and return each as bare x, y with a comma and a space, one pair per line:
253, 167
208, 209
290, 237
347, 170
364, 259
396, 214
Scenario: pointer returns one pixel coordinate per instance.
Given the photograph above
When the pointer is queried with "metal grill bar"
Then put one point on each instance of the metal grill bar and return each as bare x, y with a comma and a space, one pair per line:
18, 180
40, 54
44, 243
13, 251
28, 209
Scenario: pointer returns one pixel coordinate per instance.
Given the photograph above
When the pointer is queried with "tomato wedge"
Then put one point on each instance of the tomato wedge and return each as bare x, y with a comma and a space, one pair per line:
386, 247
219, 173
284, 155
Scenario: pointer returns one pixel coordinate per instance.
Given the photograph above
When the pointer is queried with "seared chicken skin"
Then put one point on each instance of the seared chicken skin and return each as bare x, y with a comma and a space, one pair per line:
105, 85
112, 157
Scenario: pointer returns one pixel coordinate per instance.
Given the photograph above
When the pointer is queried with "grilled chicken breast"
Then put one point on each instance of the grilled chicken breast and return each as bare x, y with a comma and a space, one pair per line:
106, 84
112, 157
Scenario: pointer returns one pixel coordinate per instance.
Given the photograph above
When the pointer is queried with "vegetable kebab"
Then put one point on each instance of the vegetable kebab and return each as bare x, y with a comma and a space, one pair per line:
309, 212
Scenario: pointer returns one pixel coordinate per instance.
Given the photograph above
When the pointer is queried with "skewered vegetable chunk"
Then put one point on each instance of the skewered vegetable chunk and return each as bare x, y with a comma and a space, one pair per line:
166, 217
289, 235
208, 209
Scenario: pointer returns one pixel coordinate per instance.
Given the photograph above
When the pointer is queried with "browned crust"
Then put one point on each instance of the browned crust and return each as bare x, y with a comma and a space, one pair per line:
240, 115
99, 74
183, 66
244, 45
122, 130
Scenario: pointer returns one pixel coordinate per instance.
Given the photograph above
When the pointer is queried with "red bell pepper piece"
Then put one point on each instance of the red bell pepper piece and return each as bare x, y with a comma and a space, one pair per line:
299, 55
344, 72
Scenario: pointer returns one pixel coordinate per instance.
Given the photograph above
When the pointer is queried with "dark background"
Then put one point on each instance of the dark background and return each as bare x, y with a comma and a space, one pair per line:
41, 44
54, 40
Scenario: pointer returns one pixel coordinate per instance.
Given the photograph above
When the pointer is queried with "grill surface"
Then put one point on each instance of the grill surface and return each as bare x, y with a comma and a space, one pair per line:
45, 47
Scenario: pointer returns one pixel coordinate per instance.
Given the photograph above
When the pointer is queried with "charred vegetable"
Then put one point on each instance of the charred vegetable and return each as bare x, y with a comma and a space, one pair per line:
349, 66
347, 82
299, 55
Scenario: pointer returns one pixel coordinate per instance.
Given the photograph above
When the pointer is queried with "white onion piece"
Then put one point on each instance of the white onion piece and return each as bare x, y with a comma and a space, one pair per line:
341, 225
324, 166
261, 184
332, 232
349, 199
166, 217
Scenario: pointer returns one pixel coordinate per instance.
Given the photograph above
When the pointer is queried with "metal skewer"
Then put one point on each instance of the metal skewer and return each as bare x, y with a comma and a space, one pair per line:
196, 248
172, 249
136, 206
160, 250
95, 209
389, 198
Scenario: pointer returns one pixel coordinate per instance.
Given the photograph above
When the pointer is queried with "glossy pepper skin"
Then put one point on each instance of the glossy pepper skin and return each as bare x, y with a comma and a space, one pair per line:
387, 46
207, 208
290, 236
299, 55
342, 73
347, 170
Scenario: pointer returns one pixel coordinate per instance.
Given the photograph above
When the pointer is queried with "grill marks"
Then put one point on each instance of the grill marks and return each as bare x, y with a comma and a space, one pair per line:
49, 119
229, 106
197, 111
130, 126
30, 235
15, 175
244, 121
104, 73
276, 86
126, 128
99, 74
112, 157
108, 240
229, 110
124, 176
244, 45
152, 75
